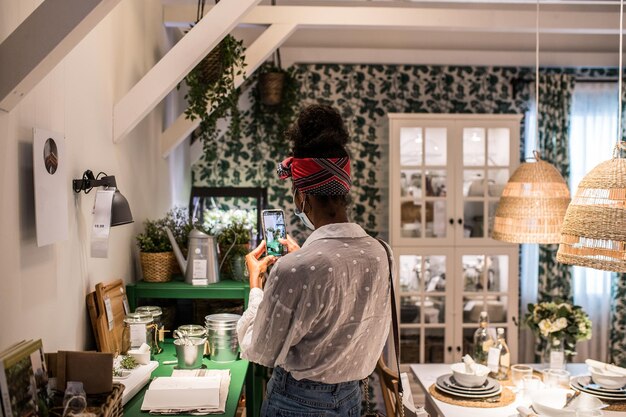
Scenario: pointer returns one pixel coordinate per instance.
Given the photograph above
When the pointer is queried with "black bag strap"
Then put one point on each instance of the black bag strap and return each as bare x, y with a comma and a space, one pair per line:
395, 324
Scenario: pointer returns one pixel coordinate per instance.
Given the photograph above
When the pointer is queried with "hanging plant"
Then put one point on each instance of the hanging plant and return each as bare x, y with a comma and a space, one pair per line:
211, 93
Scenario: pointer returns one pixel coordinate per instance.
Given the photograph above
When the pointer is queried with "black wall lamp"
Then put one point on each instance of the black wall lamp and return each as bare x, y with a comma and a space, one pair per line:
120, 210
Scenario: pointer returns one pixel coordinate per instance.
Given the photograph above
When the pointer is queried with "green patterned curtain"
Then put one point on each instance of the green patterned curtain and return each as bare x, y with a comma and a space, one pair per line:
555, 101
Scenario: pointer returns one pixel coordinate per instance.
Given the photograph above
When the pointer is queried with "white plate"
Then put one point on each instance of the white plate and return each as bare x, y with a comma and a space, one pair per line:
448, 382
587, 382
467, 395
605, 396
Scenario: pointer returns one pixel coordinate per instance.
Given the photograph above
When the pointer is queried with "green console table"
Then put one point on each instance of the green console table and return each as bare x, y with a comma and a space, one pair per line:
221, 290
238, 371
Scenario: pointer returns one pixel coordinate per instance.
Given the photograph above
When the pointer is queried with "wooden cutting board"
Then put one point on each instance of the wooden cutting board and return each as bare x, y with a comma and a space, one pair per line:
107, 307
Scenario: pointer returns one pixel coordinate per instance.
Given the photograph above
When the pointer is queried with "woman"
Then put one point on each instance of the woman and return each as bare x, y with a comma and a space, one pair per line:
323, 317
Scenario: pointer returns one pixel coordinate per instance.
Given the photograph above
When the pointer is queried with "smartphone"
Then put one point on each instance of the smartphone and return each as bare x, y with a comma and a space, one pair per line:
274, 229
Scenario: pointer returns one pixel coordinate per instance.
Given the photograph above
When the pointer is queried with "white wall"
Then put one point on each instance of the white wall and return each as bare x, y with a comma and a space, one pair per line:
42, 290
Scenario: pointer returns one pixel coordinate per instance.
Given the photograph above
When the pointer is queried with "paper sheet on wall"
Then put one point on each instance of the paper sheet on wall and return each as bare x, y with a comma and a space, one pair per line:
101, 223
51, 187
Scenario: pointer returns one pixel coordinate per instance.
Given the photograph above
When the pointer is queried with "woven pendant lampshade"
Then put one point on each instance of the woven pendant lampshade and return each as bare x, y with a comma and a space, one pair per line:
533, 205
594, 229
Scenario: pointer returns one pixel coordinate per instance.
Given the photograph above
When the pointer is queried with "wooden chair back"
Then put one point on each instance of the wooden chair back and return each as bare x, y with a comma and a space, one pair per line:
389, 381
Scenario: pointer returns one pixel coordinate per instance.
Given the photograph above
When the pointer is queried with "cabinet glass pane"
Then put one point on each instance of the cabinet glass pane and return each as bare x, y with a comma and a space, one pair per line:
436, 218
474, 147
436, 148
434, 310
411, 183
436, 183
411, 219
410, 273
411, 146
497, 180
473, 219
498, 146
495, 305
468, 341
410, 309
434, 345
435, 273
474, 183
410, 345
473, 273
497, 273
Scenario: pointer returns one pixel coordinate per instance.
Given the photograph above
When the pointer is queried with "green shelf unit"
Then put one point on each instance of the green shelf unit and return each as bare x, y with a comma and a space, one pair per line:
231, 290
223, 290
238, 371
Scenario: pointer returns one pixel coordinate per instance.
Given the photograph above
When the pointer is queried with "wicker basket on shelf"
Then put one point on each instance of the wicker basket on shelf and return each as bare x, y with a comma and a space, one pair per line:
157, 267
101, 405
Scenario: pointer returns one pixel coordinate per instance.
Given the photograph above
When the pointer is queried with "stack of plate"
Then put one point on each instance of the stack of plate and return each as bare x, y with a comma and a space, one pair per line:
448, 385
586, 384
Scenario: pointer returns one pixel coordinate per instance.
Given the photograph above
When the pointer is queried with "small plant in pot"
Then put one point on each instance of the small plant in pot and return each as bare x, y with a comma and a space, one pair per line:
157, 258
233, 229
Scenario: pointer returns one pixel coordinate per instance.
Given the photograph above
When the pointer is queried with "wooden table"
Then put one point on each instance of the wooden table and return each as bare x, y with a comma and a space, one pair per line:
238, 371
428, 374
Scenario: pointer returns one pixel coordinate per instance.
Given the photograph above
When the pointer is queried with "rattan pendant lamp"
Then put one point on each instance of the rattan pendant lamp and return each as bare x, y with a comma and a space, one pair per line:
594, 230
535, 199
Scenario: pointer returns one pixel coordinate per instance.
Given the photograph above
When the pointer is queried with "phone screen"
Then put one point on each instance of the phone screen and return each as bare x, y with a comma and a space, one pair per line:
274, 229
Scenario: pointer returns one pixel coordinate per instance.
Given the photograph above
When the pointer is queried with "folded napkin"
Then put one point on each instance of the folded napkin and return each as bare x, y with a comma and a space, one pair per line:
470, 365
606, 367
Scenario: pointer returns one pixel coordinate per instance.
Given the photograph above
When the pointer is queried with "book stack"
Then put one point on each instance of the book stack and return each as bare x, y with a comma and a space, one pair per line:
23, 380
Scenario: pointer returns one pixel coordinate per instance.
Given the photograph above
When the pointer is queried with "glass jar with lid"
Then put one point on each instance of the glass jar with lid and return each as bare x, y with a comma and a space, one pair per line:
138, 329
192, 330
159, 334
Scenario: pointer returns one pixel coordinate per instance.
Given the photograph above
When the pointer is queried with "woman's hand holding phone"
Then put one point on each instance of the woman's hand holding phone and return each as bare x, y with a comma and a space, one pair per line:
257, 266
290, 244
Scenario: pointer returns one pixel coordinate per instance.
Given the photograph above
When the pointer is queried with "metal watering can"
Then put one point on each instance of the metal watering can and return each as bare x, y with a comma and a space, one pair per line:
201, 262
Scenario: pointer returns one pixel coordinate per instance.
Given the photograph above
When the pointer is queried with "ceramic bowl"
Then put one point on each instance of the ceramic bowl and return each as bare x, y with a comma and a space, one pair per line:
141, 357
607, 379
550, 402
469, 380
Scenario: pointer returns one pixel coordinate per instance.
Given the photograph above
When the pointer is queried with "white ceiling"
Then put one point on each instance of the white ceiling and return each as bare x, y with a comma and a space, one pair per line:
590, 44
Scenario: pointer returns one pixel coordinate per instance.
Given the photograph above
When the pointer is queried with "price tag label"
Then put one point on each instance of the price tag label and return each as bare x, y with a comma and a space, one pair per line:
109, 312
126, 306
137, 335
493, 359
199, 269
557, 360
101, 223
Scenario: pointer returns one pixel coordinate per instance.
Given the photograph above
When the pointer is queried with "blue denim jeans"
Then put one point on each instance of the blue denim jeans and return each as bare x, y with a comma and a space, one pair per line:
288, 397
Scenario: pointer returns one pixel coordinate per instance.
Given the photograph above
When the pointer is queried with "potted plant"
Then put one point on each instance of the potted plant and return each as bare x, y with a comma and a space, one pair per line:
211, 93
559, 326
233, 229
157, 258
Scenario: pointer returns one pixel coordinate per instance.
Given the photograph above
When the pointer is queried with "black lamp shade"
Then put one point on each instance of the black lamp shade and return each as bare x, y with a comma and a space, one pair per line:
120, 210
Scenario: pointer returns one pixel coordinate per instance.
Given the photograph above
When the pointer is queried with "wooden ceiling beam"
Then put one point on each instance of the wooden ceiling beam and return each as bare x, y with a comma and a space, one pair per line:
42, 40
176, 64
256, 54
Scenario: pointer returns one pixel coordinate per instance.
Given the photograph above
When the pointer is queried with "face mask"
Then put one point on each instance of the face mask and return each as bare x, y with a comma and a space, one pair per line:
302, 215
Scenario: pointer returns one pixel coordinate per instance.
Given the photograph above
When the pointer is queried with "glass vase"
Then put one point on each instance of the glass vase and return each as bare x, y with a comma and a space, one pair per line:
554, 353
234, 262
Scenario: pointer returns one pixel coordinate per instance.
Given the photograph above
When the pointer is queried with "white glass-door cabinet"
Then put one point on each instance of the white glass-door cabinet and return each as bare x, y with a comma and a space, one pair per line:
447, 173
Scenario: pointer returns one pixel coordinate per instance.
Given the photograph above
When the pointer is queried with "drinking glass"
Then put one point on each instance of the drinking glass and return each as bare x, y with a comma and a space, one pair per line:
556, 378
531, 384
518, 372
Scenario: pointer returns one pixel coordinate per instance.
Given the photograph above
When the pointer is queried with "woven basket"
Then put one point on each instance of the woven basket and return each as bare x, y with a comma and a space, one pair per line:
102, 405
594, 230
212, 65
532, 206
157, 267
271, 87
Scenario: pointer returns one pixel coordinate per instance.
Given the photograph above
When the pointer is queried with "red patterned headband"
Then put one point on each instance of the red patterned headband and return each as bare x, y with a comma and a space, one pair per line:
321, 176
